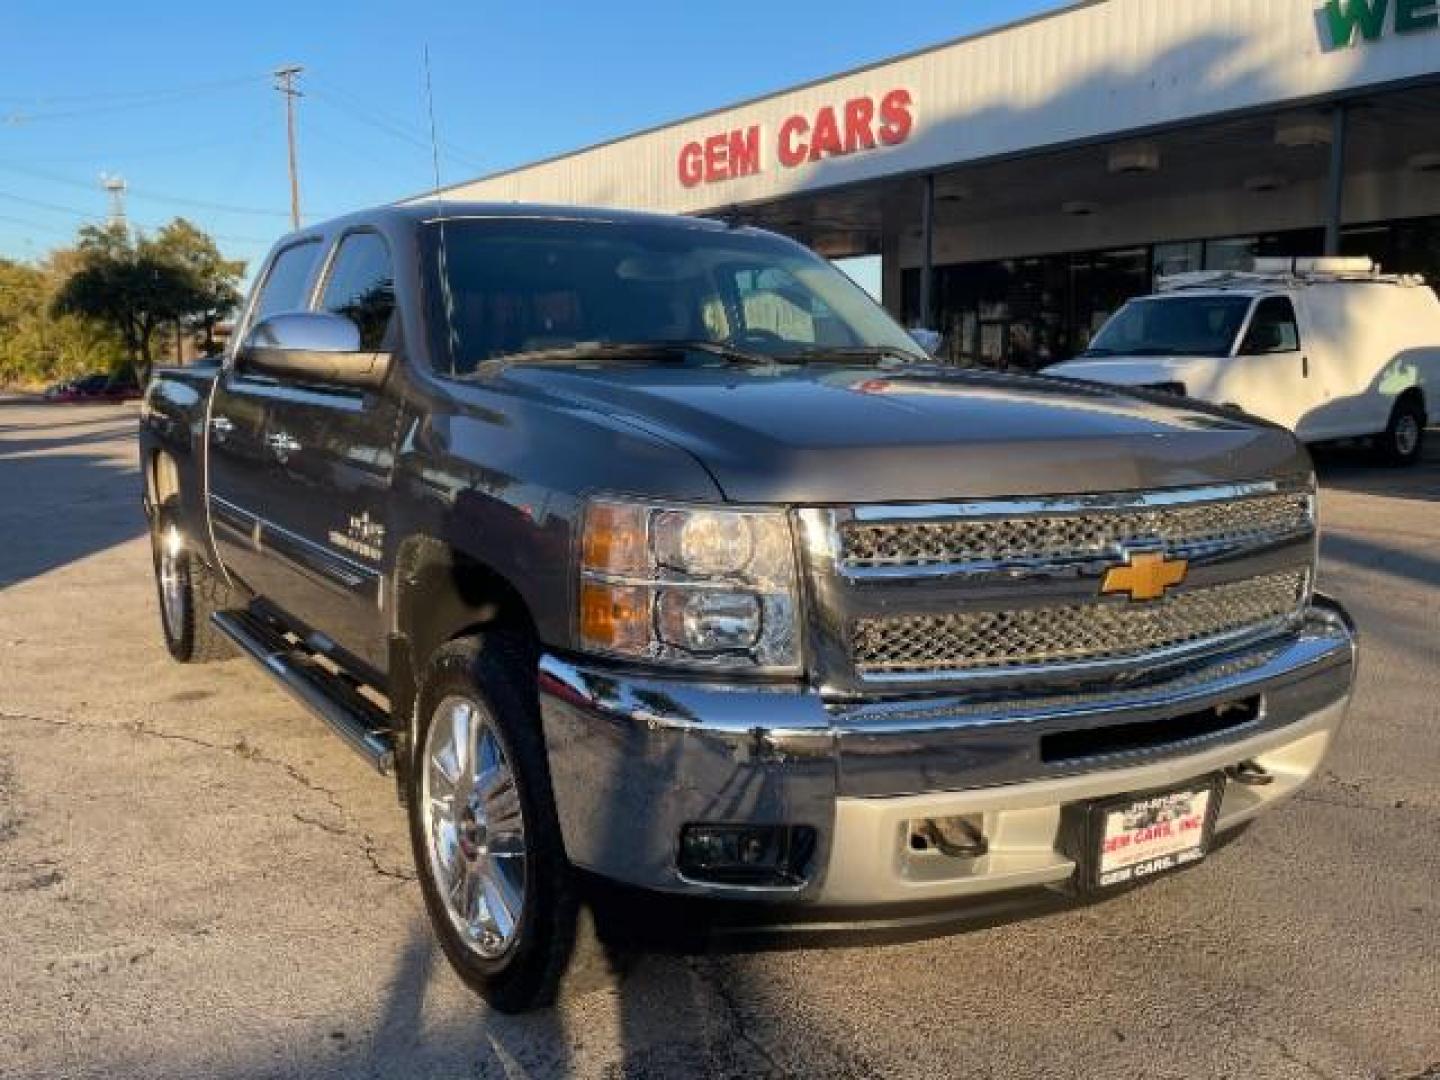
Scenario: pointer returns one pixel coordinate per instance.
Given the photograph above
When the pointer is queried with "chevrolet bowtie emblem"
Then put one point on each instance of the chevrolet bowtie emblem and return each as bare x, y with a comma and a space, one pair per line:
1145, 576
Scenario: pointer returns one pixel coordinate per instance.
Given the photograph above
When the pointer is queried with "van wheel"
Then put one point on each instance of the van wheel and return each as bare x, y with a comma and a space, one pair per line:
486, 839
1403, 440
189, 591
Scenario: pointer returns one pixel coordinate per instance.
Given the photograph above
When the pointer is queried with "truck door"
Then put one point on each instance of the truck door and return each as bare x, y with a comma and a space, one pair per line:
241, 465
333, 449
1277, 380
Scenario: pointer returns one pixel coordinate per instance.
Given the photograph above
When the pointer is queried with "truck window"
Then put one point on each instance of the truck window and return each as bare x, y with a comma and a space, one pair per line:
772, 300
1273, 328
361, 286
284, 288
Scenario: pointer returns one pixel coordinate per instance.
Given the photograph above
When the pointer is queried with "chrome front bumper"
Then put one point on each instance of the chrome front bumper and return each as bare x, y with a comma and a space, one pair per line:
635, 759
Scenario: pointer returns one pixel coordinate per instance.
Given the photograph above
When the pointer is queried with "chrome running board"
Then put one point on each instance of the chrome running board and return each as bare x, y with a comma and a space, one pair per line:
363, 724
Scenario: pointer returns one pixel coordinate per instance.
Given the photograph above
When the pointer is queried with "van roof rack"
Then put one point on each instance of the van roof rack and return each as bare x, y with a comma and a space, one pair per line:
1270, 272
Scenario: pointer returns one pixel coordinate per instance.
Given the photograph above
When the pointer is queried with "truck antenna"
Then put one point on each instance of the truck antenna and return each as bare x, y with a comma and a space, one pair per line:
446, 296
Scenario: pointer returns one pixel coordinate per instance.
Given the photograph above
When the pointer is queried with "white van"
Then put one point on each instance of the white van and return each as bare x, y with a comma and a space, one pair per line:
1330, 348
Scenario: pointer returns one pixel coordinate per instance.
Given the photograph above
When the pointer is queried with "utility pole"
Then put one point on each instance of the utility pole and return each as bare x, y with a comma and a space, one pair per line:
285, 83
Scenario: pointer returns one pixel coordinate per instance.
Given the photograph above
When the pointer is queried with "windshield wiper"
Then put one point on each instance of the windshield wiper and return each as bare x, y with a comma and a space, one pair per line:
722, 349
643, 351
853, 352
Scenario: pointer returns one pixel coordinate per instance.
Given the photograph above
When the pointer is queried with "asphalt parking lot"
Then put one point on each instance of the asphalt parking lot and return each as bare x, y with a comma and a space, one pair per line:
197, 880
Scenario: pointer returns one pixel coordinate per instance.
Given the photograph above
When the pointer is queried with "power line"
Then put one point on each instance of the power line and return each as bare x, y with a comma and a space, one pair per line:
144, 194
40, 204
122, 95
115, 103
392, 126
87, 216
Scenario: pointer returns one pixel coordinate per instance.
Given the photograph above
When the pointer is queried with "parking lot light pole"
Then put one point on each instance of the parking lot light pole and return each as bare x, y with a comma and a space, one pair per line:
927, 247
1335, 206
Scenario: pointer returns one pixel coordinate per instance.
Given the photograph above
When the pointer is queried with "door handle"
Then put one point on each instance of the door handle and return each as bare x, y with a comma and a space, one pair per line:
222, 425
1305, 367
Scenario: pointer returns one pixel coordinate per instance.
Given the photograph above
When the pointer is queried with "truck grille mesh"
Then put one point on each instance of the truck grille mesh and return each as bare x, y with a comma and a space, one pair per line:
866, 545
1027, 637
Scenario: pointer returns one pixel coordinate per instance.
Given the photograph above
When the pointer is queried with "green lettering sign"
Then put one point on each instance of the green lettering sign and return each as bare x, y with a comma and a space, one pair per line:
1412, 15
1344, 16
1349, 21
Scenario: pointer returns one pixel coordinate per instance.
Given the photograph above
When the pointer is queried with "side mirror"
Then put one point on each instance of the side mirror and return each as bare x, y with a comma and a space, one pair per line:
929, 340
313, 346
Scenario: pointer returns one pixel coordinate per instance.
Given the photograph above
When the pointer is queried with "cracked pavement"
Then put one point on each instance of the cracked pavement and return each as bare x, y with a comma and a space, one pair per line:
197, 879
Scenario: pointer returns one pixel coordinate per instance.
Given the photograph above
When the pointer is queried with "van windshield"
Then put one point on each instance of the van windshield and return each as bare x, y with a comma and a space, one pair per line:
550, 289
1172, 326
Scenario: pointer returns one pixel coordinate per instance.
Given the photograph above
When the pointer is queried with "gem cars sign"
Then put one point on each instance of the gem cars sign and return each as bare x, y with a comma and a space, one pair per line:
855, 127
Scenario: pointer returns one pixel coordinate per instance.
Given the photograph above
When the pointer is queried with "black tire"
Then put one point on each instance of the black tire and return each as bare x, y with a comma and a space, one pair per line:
1403, 440
497, 672
199, 592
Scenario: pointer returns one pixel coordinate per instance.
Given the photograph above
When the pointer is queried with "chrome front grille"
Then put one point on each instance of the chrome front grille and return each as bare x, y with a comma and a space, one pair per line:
1015, 589
1073, 536
1073, 633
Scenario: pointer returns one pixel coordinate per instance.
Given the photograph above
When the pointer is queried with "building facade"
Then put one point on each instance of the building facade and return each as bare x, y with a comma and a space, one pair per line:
1020, 184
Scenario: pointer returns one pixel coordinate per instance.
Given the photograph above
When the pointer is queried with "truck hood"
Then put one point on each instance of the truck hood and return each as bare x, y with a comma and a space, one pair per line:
832, 433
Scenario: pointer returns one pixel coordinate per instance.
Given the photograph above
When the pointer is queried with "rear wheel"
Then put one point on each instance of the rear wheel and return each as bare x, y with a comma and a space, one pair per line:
487, 845
1403, 439
189, 591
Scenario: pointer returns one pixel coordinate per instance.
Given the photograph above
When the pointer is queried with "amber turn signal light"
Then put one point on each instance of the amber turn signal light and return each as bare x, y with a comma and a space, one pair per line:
614, 617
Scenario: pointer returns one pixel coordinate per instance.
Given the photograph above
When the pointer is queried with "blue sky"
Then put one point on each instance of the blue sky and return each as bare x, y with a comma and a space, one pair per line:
176, 97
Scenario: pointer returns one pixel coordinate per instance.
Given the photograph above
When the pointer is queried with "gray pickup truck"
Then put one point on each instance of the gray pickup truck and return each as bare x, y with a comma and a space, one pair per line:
650, 550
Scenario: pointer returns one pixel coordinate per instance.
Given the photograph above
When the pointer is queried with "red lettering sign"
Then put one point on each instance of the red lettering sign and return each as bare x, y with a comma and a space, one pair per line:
792, 146
896, 120
860, 124
691, 170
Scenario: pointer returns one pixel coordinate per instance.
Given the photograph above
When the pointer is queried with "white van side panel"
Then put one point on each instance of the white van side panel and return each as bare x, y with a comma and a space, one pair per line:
1367, 344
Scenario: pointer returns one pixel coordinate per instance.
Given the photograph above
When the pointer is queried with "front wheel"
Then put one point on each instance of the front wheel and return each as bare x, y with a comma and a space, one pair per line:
1403, 440
487, 844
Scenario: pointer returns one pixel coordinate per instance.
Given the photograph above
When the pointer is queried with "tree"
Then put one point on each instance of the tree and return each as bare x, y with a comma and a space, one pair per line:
215, 279
137, 285
35, 344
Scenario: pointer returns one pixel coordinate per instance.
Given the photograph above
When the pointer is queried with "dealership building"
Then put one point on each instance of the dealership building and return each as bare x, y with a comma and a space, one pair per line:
1018, 185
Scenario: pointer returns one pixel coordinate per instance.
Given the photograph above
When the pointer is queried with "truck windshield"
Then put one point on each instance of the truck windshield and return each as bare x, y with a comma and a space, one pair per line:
552, 289
1172, 326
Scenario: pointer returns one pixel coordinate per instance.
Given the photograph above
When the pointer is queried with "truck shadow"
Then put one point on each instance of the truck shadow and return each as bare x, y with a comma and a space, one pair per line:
42, 526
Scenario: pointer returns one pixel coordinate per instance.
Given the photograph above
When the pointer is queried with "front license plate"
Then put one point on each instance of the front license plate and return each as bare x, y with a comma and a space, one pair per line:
1138, 836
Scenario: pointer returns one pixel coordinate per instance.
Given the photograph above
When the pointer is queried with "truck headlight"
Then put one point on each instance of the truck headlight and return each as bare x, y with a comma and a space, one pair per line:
689, 586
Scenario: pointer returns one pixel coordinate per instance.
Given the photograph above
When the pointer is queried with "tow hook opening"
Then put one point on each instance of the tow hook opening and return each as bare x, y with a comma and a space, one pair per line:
1250, 773
954, 837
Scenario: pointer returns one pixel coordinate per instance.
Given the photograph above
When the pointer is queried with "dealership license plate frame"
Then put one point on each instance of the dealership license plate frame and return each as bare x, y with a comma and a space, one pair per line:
1092, 872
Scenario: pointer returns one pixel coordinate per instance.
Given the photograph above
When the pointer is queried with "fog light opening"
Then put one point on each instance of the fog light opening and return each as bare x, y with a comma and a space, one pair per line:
1250, 773
953, 837
754, 856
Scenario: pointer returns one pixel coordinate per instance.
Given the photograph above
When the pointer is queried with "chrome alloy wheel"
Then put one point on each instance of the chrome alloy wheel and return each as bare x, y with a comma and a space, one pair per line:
1407, 434
474, 829
172, 581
